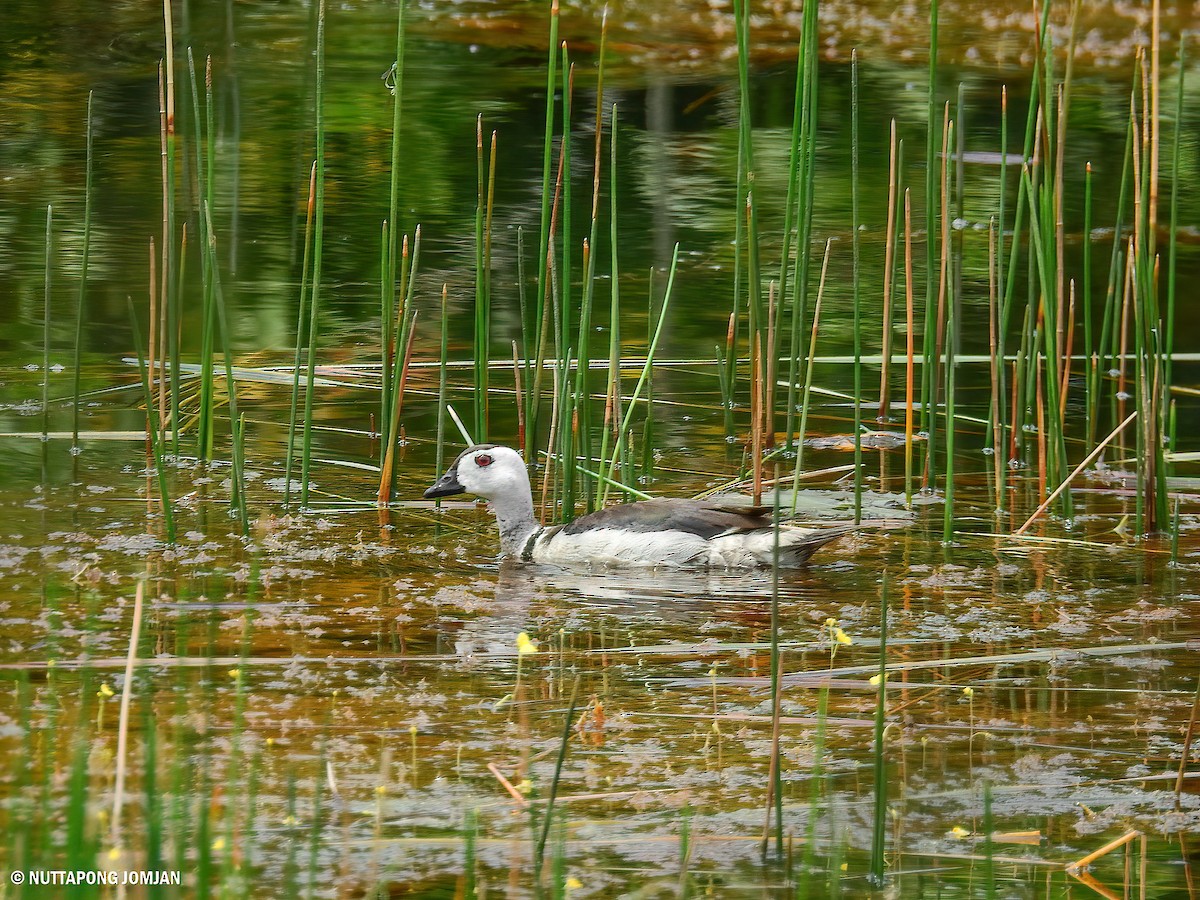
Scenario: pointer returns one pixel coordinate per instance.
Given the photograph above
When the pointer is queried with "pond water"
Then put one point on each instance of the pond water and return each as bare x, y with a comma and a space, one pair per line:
339, 705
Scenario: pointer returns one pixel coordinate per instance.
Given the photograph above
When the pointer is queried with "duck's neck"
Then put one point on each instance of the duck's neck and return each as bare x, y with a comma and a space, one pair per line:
514, 515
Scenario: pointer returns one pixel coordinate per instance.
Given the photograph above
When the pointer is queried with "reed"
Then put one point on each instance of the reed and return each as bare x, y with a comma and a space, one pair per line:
405, 335
1173, 235
548, 816
889, 276
81, 303
318, 241
612, 404
928, 370
541, 312
171, 262
301, 309
949, 308
47, 297
239, 474
803, 152
443, 353
910, 346
483, 277
395, 228
879, 766
205, 425
607, 470
854, 221
153, 433
808, 369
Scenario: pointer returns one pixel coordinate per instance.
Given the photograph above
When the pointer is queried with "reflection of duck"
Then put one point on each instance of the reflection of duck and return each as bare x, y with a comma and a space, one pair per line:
664, 532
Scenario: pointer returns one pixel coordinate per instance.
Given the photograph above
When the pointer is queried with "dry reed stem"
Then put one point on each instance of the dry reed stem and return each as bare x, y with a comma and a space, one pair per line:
1079, 468
508, 786
152, 338
520, 396
123, 726
385, 475
1112, 845
910, 344
1065, 382
889, 262
994, 362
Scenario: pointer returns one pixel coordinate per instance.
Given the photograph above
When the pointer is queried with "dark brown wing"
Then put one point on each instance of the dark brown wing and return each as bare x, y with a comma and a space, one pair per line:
702, 517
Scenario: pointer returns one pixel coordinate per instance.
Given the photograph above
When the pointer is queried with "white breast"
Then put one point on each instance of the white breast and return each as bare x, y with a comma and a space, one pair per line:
614, 546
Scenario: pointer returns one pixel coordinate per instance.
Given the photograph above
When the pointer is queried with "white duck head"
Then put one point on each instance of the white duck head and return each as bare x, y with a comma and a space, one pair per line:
498, 475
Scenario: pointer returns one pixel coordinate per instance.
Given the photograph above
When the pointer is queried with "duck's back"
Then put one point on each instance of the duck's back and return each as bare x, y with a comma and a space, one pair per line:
703, 518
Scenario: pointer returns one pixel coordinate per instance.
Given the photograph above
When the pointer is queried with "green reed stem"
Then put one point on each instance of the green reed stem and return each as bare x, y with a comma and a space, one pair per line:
949, 348
1088, 351
1173, 238
301, 309
172, 262
810, 359
318, 235
533, 391
858, 455
807, 88
613, 403
47, 293
155, 437
204, 431
548, 816
441, 407
80, 306
387, 348
238, 480
647, 367
394, 223
928, 371
1055, 439
878, 758
483, 262
776, 785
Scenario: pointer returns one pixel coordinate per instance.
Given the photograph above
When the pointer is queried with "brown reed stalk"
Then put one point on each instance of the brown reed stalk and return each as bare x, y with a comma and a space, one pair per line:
387, 472
1126, 302
910, 346
769, 378
756, 405
516, 358
1060, 234
1040, 370
889, 261
994, 364
929, 476
152, 340
1067, 347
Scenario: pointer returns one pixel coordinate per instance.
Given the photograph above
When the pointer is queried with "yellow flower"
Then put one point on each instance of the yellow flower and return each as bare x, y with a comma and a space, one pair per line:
525, 786
105, 691
874, 679
219, 844
841, 637
234, 673
381, 789
968, 692
573, 883
114, 853
831, 622
959, 832
525, 644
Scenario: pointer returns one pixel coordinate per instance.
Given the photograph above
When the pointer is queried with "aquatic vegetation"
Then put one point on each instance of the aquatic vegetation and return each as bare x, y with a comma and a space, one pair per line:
240, 648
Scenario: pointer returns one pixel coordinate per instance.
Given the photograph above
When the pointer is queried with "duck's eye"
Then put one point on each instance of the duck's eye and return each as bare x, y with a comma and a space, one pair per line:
483, 460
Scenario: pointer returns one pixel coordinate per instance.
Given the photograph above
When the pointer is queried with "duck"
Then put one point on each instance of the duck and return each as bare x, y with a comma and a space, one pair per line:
668, 532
